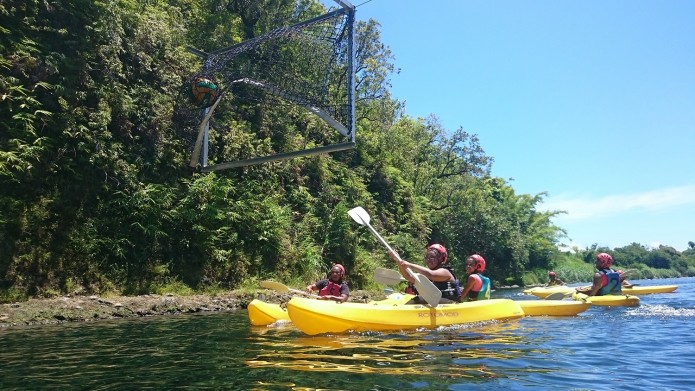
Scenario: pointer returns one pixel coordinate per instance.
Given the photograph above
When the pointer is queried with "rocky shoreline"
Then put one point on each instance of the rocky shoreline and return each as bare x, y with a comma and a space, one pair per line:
65, 309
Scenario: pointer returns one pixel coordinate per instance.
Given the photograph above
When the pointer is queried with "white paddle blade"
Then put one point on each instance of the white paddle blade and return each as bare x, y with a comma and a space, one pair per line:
362, 217
424, 286
276, 286
555, 296
389, 273
387, 276
359, 215
426, 289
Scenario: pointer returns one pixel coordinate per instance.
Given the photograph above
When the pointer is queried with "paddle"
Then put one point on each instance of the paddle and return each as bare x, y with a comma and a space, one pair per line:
424, 286
556, 296
387, 276
562, 295
277, 286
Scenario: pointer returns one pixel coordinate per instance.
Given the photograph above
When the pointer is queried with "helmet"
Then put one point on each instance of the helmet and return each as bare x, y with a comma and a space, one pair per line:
552, 274
441, 250
604, 261
342, 269
479, 262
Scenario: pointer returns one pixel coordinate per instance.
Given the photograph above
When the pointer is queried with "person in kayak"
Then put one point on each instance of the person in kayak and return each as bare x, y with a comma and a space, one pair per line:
553, 280
437, 271
606, 280
334, 287
477, 285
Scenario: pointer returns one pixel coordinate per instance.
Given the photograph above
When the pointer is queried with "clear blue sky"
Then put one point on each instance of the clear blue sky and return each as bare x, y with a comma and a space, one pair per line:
591, 101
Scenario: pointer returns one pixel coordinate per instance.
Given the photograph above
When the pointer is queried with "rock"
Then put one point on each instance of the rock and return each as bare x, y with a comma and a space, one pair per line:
93, 308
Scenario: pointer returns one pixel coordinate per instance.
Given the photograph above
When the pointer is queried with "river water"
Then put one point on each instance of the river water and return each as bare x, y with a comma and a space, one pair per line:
651, 347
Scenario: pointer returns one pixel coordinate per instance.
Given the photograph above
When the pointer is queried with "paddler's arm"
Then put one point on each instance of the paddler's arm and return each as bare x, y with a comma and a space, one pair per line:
339, 299
440, 274
402, 266
470, 283
596, 286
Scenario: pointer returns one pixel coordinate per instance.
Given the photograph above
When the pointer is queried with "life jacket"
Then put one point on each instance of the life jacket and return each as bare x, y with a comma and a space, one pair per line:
483, 293
331, 288
611, 283
451, 290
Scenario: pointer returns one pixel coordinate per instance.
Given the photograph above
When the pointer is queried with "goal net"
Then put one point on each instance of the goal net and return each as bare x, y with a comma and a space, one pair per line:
309, 64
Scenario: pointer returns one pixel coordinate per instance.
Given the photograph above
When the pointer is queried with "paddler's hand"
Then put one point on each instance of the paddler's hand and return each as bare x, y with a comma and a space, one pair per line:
395, 257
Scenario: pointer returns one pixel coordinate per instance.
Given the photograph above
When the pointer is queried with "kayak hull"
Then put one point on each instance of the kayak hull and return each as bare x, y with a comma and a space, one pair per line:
635, 290
263, 314
648, 290
318, 317
608, 300
553, 308
543, 292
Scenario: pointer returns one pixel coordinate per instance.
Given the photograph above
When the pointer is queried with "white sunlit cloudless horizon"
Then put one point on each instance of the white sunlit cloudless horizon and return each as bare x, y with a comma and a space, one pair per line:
591, 103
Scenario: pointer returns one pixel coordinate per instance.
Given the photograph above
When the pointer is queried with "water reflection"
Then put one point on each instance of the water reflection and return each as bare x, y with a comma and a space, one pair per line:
223, 352
466, 351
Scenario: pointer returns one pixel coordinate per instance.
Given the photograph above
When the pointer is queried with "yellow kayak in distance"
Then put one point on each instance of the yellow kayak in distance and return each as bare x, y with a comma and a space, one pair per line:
322, 316
553, 307
608, 300
635, 290
648, 289
543, 291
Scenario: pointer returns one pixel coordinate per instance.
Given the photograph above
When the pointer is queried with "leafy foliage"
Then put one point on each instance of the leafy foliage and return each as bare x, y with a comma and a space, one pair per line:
96, 195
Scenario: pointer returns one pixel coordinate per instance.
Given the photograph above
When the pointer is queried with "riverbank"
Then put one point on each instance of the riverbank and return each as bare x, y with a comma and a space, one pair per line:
65, 309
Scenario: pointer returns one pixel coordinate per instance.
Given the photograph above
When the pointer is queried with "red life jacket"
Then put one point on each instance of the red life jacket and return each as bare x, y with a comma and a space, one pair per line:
331, 288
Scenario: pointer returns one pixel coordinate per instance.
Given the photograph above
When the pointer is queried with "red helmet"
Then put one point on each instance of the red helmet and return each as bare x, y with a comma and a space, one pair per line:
342, 269
551, 273
441, 250
604, 261
479, 262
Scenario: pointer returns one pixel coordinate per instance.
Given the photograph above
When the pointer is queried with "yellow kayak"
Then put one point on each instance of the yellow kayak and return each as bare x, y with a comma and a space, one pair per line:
543, 292
323, 316
647, 290
608, 300
552, 308
636, 290
263, 314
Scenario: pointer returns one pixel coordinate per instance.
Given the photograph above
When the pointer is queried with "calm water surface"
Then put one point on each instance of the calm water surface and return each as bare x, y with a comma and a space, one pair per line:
651, 347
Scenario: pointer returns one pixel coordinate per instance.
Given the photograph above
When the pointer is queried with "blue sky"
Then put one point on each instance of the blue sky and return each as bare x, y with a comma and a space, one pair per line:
591, 101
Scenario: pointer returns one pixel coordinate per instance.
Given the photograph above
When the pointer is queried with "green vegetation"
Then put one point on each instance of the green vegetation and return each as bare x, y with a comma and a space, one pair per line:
96, 196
